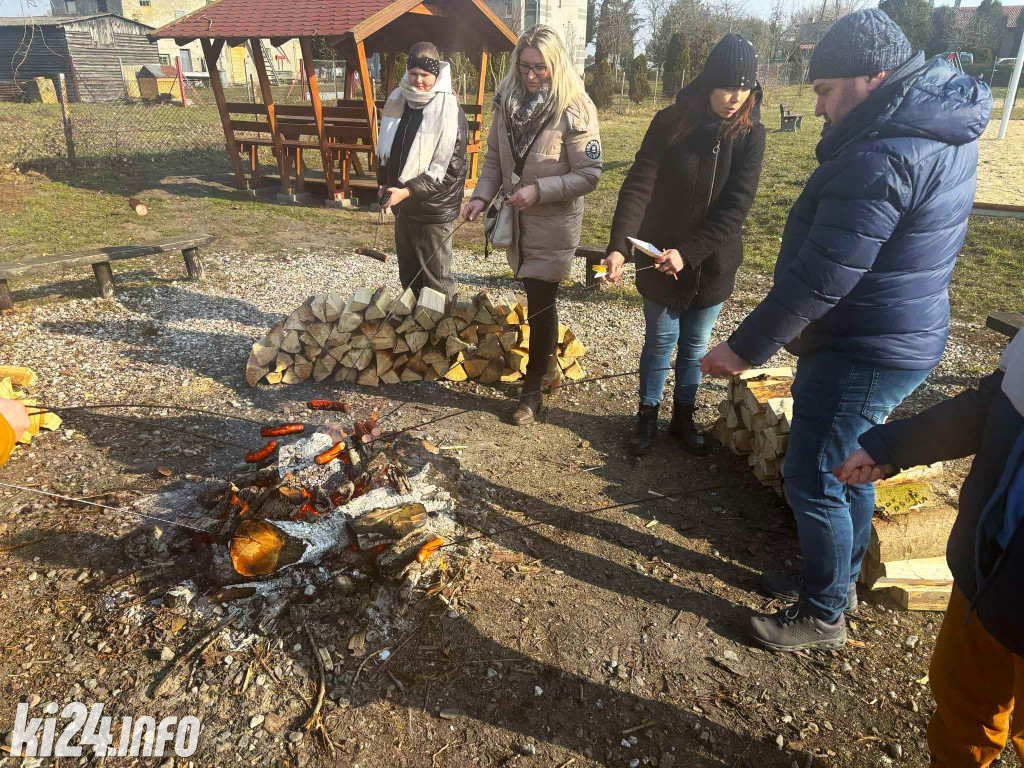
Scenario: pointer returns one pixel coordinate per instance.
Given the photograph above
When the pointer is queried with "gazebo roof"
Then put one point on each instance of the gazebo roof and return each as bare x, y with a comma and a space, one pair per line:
385, 25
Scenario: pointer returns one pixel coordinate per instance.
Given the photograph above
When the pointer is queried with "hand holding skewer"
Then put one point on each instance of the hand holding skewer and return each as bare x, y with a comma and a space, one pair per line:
670, 262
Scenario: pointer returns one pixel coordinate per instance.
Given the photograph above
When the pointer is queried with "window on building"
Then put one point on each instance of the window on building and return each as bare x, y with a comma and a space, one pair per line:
101, 6
165, 59
144, 3
178, 14
531, 13
72, 6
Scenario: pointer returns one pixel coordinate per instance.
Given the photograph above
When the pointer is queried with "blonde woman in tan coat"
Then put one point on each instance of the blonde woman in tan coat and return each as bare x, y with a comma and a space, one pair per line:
544, 120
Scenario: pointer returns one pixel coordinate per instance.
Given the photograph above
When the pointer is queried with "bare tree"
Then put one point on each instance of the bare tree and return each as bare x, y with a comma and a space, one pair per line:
655, 12
729, 12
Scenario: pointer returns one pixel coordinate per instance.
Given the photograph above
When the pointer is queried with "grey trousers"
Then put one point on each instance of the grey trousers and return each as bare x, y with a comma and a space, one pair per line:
424, 255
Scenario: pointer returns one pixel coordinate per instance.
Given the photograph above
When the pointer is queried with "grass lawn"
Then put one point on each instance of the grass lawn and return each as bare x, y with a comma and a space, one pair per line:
58, 211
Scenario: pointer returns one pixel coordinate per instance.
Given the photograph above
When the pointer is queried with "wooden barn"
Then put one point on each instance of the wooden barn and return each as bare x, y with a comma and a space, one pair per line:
343, 133
88, 50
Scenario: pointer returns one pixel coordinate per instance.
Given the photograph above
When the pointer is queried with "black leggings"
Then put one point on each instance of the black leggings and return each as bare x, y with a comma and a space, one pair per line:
543, 318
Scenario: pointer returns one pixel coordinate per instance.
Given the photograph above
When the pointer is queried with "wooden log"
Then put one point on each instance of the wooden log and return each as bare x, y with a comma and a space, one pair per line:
349, 321
508, 340
928, 569
294, 323
19, 375
283, 362
518, 359
893, 499
105, 278
359, 302
476, 366
454, 345
574, 348
921, 597
923, 533
291, 342
574, 372
6, 299
490, 348
562, 331
470, 334
390, 377
416, 340
337, 337
333, 307
346, 374
444, 329
368, 377
492, 373
463, 307
320, 332
409, 374
775, 409
385, 361
194, 265
524, 336
254, 371
324, 367
746, 417
741, 442
274, 377
430, 308
483, 317
509, 375
379, 304
456, 373
401, 345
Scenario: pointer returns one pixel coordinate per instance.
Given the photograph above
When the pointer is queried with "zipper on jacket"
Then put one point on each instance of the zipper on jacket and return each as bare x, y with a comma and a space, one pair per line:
707, 209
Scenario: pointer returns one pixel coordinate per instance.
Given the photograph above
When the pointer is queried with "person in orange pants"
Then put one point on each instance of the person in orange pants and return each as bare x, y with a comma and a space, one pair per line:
977, 670
13, 422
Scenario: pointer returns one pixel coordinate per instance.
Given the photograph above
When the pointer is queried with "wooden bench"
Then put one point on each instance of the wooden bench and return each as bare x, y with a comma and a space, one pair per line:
1006, 323
790, 121
594, 254
100, 260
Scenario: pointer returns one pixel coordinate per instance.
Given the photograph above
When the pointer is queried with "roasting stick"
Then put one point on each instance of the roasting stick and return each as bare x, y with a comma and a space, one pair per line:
144, 406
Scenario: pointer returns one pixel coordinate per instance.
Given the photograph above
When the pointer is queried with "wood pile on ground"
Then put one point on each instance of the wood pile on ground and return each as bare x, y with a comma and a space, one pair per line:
376, 337
906, 554
15, 381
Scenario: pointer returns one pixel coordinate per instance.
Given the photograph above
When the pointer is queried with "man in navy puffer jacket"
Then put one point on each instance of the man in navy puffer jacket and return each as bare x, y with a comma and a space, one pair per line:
860, 292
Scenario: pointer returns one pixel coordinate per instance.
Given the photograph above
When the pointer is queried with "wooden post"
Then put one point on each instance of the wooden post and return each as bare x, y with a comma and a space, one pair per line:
268, 103
350, 79
474, 163
194, 265
318, 114
105, 277
302, 74
181, 81
69, 140
6, 300
371, 104
211, 52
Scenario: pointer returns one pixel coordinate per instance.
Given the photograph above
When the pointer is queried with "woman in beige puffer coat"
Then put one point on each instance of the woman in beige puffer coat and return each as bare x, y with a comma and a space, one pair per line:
544, 119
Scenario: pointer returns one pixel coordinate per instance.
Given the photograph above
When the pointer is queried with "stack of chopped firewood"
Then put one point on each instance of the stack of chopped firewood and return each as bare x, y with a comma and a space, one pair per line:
754, 421
910, 528
378, 337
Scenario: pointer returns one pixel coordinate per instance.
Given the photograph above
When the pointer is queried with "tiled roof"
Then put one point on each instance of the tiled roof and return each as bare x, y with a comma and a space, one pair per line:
314, 18
963, 15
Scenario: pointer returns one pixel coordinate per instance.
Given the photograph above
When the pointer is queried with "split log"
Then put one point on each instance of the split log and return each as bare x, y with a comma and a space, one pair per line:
741, 442
360, 341
337, 337
266, 349
319, 307
320, 332
930, 569
410, 374
476, 366
922, 597
294, 323
291, 342
274, 377
390, 377
508, 340
368, 377
254, 372
920, 534
490, 348
454, 345
470, 334
574, 348
518, 359
283, 362
346, 374
401, 345
483, 317
574, 372
444, 329
324, 367
508, 375
360, 301
385, 361
349, 321
404, 304
892, 499
333, 307
524, 336
416, 340
562, 331
379, 304
430, 308
456, 373
492, 373
463, 307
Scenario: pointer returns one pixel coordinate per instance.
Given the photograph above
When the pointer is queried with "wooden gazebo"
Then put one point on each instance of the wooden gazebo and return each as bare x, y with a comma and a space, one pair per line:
347, 131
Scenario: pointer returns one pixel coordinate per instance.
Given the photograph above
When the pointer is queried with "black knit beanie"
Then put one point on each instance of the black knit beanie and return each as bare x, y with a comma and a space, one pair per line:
863, 43
731, 64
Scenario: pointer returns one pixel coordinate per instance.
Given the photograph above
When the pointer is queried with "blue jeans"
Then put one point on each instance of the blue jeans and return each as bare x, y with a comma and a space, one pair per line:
690, 330
835, 401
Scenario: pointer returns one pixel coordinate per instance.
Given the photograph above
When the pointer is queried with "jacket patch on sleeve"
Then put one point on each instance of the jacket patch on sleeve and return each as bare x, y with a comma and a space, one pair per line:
593, 149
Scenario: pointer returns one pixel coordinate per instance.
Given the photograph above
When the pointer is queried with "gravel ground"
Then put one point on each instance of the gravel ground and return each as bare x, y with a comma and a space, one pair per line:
617, 619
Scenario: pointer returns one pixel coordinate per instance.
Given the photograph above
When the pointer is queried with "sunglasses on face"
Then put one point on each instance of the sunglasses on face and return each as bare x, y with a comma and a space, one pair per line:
539, 71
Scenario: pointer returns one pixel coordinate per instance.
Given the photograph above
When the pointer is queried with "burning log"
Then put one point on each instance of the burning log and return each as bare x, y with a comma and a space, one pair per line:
376, 337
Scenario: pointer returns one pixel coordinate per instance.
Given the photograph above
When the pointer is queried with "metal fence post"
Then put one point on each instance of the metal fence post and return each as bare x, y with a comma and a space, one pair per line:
62, 93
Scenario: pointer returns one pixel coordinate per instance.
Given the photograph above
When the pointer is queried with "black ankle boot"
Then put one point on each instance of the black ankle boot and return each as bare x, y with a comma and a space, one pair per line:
642, 440
683, 429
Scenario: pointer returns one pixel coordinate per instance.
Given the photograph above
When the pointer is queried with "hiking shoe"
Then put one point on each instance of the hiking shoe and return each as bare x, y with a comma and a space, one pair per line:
793, 629
785, 586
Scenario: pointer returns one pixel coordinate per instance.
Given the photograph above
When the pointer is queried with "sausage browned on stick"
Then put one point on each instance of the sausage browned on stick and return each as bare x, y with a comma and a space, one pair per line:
262, 454
280, 430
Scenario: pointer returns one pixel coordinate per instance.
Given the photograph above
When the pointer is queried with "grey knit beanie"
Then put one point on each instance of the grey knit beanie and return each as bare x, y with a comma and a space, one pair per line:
862, 43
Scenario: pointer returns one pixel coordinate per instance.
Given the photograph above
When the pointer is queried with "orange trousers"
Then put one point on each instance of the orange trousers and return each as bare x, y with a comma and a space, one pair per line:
975, 681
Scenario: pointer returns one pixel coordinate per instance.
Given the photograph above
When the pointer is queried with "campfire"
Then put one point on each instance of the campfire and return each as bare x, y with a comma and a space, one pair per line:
322, 506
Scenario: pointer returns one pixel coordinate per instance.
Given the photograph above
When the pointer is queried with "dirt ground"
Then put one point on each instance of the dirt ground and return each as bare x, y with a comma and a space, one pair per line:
607, 639
1001, 165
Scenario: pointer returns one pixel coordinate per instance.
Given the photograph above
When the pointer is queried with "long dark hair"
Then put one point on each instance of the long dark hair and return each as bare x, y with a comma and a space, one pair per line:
692, 105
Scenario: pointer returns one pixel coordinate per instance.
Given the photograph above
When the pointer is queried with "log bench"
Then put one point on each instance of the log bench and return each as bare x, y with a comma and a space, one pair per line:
100, 259
790, 122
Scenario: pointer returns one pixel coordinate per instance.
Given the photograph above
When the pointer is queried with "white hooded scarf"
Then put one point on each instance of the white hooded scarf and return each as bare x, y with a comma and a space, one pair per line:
432, 148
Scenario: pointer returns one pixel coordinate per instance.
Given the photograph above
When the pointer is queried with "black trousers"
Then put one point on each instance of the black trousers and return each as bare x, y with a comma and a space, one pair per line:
543, 318
424, 255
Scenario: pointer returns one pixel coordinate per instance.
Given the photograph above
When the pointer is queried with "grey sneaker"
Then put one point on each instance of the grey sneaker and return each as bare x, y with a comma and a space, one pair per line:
791, 629
785, 586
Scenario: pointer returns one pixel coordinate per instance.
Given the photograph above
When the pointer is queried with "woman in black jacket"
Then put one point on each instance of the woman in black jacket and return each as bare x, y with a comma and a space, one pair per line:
422, 168
688, 193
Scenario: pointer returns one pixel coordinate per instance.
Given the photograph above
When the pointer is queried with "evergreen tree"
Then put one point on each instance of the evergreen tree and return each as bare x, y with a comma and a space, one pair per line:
601, 33
591, 21
700, 46
639, 84
677, 63
602, 87
914, 18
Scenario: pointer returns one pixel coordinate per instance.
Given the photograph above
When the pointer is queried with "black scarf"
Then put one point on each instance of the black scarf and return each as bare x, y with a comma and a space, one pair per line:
526, 117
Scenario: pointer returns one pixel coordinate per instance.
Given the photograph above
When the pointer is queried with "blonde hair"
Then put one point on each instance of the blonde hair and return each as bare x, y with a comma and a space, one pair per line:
566, 85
